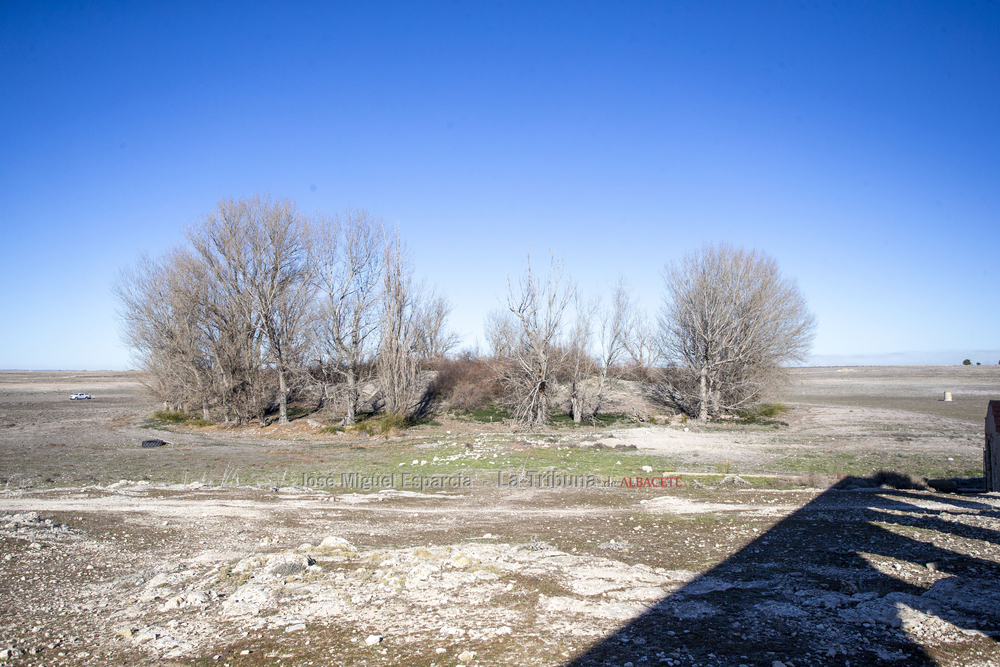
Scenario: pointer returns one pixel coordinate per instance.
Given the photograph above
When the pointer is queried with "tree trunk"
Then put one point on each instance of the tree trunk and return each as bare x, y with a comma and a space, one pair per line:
204, 408
352, 398
282, 397
703, 395
600, 391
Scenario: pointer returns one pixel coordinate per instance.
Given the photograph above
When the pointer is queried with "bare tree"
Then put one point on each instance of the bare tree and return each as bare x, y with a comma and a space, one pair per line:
397, 355
730, 321
531, 339
501, 334
614, 336
434, 341
281, 284
349, 257
580, 361
255, 255
640, 341
161, 328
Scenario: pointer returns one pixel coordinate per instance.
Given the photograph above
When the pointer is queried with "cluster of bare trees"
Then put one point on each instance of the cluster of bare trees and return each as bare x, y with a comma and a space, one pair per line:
262, 301
547, 334
729, 325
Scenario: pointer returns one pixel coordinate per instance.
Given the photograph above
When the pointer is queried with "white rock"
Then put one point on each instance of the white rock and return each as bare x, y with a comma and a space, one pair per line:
373, 639
334, 541
466, 656
295, 628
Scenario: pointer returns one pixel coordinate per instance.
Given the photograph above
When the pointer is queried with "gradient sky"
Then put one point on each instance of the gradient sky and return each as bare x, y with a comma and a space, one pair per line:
857, 143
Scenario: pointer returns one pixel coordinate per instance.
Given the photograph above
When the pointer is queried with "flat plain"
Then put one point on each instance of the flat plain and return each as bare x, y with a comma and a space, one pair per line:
463, 542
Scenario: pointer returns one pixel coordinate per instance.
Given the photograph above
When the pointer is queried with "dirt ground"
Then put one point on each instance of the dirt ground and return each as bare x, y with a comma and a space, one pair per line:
680, 544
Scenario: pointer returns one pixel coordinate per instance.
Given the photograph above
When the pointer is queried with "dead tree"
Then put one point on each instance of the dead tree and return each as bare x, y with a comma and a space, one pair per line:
579, 359
161, 323
349, 260
531, 341
730, 322
397, 354
234, 272
613, 337
640, 342
434, 341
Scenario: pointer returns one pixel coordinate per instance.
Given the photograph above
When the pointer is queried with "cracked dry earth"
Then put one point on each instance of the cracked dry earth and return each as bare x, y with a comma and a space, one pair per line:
145, 574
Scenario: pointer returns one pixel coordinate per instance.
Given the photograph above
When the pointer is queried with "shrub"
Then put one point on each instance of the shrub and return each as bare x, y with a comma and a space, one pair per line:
966, 362
466, 383
883, 478
762, 410
382, 425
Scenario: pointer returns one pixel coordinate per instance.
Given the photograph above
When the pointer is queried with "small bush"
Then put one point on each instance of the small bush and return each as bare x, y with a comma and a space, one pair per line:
382, 425
332, 429
762, 410
967, 362
466, 383
171, 416
883, 478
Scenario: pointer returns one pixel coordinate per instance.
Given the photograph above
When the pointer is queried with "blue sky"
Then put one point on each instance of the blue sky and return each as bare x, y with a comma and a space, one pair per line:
857, 143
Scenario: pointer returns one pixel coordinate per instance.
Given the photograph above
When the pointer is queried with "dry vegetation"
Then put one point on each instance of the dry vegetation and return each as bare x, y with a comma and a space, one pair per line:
263, 307
215, 551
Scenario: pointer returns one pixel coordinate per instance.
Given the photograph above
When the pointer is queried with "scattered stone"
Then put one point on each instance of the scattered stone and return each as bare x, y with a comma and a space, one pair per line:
332, 541
372, 640
466, 656
295, 628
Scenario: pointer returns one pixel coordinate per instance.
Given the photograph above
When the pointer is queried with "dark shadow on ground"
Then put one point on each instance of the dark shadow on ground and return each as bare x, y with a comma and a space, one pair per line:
842, 581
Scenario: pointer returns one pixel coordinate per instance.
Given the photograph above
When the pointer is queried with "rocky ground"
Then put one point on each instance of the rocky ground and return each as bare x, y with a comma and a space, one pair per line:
764, 567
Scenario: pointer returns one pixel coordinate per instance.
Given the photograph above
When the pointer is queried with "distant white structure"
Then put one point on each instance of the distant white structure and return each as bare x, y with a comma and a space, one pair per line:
947, 395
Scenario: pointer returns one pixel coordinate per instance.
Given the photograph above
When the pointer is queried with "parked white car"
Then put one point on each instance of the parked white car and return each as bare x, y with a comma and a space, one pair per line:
79, 397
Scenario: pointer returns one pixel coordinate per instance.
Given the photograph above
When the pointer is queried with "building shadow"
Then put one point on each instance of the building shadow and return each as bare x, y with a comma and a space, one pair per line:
873, 577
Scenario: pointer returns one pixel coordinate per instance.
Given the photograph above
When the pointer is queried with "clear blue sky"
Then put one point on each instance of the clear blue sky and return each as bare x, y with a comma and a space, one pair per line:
856, 142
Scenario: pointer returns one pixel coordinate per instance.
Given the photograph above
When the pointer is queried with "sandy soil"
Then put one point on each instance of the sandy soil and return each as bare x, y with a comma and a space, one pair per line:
179, 564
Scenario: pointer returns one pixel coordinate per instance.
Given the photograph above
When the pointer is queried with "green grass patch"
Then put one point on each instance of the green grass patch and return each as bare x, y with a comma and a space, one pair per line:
197, 421
599, 420
386, 423
295, 411
171, 416
490, 413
